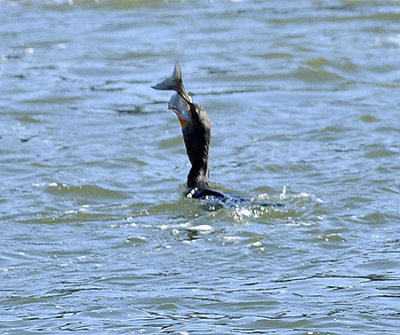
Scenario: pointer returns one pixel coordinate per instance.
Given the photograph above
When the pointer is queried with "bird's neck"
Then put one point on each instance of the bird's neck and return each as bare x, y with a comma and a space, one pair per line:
199, 176
197, 141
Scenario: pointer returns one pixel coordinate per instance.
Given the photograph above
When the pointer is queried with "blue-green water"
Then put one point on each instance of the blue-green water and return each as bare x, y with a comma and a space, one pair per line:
96, 237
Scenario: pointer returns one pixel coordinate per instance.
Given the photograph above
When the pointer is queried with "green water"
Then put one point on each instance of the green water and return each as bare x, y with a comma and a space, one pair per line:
96, 236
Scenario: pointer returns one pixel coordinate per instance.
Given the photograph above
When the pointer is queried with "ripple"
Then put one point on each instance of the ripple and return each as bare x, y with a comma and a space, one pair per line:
85, 191
379, 151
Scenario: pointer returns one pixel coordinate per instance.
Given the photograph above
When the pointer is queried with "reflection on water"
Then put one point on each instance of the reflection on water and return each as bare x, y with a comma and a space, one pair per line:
96, 235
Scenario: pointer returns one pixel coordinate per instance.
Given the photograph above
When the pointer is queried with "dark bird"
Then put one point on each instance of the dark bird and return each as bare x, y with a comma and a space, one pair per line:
196, 129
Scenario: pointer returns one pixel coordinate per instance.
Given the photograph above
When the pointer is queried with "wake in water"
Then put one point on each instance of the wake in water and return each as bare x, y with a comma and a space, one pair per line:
283, 205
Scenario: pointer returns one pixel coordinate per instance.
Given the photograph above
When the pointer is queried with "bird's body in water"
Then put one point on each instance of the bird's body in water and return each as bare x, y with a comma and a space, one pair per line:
196, 130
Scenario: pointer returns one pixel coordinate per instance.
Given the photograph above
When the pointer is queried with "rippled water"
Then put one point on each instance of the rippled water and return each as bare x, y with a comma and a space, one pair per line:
96, 236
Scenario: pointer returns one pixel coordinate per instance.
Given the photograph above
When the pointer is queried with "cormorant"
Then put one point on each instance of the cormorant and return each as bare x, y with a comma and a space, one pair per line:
196, 129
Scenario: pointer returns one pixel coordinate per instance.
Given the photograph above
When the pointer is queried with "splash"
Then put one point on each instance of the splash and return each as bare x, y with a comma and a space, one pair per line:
284, 205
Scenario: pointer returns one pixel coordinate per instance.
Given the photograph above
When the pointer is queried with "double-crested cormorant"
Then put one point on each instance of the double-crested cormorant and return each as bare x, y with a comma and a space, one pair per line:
196, 129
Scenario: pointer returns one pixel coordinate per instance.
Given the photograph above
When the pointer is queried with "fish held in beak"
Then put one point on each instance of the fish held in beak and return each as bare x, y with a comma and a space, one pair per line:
174, 83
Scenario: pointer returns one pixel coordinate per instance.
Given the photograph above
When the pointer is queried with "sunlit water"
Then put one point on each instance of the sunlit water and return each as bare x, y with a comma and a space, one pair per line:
96, 237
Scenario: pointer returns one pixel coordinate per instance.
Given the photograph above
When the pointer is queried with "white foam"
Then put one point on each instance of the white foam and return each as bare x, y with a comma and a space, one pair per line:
395, 39
201, 228
232, 238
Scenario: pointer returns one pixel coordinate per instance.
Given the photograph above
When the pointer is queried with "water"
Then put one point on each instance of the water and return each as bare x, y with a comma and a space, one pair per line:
96, 236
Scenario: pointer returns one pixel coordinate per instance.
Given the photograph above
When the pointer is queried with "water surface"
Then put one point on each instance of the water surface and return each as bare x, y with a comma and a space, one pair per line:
96, 236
